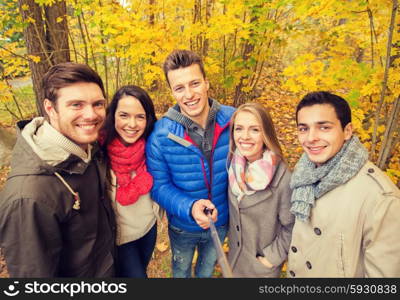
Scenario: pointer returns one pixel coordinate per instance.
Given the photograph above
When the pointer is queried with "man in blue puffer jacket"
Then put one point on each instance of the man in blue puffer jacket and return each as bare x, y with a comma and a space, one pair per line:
186, 154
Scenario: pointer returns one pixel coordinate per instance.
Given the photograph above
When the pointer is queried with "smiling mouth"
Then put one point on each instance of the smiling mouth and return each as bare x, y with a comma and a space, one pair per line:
316, 150
87, 127
131, 132
246, 146
192, 103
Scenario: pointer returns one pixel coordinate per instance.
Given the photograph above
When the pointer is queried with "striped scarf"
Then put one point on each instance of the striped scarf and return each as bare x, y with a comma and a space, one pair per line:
310, 183
247, 178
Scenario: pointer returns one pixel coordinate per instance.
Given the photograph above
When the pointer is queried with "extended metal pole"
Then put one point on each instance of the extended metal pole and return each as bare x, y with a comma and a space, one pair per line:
221, 257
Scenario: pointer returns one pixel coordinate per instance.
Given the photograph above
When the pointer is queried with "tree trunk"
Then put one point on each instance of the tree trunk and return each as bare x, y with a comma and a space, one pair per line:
197, 42
155, 84
385, 79
206, 43
46, 39
89, 42
35, 39
85, 48
240, 95
391, 128
105, 64
57, 32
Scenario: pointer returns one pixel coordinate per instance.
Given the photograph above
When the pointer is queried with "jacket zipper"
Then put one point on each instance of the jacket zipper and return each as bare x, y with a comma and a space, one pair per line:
215, 139
212, 155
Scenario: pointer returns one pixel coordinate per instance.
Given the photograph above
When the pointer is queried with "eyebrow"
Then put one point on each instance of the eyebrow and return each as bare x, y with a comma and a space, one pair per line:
251, 126
318, 123
74, 100
191, 81
127, 113
80, 100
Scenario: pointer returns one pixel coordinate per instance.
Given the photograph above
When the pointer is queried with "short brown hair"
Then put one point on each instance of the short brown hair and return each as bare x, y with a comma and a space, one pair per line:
65, 74
268, 130
181, 59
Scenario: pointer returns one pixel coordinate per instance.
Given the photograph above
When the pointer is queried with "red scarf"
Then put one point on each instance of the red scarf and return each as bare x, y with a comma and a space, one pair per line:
124, 160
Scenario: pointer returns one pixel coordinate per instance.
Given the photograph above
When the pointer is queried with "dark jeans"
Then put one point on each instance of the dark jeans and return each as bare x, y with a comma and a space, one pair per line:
133, 257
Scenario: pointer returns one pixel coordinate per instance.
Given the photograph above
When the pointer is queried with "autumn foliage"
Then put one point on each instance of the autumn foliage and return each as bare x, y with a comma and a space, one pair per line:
270, 51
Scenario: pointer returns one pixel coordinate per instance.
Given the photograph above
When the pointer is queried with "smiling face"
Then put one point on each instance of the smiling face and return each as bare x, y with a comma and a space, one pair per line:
320, 132
130, 119
78, 113
189, 88
247, 135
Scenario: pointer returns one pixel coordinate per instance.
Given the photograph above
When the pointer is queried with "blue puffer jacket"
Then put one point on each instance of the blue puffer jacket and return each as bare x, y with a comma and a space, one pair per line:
182, 175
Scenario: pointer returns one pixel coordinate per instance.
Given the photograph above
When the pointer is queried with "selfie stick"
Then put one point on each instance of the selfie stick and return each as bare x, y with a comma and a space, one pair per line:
222, 260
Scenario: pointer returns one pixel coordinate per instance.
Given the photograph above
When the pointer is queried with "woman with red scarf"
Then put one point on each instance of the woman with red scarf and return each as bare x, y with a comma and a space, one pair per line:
129, 121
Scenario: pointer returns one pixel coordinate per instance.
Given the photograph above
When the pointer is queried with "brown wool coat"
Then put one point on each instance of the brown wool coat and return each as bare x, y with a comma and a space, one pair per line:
261, 224
354, 231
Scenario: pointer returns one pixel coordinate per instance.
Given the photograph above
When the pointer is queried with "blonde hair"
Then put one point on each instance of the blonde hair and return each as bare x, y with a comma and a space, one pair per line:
267, 128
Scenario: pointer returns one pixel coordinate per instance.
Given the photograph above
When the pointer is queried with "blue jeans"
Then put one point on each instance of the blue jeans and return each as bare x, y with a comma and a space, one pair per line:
133, 257
183, 245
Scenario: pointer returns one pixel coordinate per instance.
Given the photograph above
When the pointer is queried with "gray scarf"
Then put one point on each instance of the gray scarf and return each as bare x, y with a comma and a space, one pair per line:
309, 183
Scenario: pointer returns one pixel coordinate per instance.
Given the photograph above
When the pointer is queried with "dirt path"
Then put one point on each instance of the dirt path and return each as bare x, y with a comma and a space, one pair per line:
20, 82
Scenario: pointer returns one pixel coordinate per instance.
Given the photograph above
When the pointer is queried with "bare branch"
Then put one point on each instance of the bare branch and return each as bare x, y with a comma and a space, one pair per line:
15, 54
385, 79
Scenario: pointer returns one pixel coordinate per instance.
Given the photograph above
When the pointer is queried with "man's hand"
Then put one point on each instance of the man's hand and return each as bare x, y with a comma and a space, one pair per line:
200, 216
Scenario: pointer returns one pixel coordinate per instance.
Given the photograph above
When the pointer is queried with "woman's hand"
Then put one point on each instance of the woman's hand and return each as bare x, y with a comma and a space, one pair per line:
264, 261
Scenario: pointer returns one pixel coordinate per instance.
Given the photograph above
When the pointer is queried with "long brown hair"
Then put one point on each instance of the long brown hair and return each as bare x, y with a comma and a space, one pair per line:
268, 130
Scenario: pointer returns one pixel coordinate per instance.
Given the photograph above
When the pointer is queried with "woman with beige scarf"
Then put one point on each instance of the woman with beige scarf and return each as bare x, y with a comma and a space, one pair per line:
260, 223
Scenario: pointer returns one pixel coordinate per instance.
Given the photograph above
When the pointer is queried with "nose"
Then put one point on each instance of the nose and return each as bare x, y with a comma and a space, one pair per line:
312, 135
188, 93
245, 134
132, 122
89, 112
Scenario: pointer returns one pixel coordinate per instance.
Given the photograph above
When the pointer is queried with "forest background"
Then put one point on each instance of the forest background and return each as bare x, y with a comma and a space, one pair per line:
267, 51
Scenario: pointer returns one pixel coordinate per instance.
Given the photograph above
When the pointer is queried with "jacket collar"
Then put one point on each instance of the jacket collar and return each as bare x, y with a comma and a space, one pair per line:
33, 155
43, 139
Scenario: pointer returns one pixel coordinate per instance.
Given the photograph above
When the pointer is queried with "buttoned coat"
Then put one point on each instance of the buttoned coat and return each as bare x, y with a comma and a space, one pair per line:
261, 225
353, 231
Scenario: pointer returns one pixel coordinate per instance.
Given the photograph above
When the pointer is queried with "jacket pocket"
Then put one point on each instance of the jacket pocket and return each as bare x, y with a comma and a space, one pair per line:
175, 229
341, 265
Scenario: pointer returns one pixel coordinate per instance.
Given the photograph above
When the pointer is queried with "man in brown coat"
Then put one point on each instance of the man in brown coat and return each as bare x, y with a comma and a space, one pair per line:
54, 218
347, 210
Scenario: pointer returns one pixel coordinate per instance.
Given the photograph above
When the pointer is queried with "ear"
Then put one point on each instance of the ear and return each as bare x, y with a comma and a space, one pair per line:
348, 131
49, 108
207, 83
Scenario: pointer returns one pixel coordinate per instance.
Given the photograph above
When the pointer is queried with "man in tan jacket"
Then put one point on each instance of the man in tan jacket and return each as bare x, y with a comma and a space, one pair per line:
347, 210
